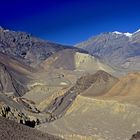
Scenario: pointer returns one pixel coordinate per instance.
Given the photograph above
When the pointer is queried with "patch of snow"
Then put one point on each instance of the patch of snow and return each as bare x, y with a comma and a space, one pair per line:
120, 33
116, 32
6, 30
137, 31
128, 34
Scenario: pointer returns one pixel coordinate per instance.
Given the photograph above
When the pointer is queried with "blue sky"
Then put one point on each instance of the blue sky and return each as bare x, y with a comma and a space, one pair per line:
70, 21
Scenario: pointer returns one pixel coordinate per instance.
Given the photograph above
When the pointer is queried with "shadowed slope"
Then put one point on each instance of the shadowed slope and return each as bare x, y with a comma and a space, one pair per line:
10, 130
15, 64
25, 47
14, 75
102, 83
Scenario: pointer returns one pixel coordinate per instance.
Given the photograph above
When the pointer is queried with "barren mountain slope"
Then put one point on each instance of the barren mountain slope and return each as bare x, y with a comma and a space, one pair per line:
116, 49
126, 90
61, 70
14, 75
26, 47
101, 85
10, 130
90, 118
70, 59
84, 84
72, 89
109, 116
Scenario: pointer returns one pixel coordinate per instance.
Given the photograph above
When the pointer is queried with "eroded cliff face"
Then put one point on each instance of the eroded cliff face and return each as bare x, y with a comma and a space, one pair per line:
18, 109
90, 63
12, 113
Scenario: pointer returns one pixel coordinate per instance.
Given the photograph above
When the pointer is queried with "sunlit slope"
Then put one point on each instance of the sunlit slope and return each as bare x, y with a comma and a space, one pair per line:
69, 59
100, 114
90, 118
126, 90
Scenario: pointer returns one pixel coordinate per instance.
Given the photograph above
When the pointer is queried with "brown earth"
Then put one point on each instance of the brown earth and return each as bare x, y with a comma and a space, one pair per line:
110, 116
126, 90
10, 130
60, 104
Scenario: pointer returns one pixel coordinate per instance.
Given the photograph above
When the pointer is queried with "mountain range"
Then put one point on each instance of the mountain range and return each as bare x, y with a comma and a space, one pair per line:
120, 50
87, 91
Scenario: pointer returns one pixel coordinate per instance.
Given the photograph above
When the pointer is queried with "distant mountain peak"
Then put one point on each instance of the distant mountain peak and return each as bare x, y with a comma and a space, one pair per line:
3, 29
116, 32
137, 31
117, 49
126, 34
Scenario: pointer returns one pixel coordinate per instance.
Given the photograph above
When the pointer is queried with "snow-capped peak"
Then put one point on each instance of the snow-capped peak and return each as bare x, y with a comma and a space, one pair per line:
128, 34
137, 31
4, 30
116, 32
120, 33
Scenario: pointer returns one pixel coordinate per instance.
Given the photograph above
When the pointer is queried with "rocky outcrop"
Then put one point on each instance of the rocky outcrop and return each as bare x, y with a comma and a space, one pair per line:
136, 136
19, 109
27, 48
13, 114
